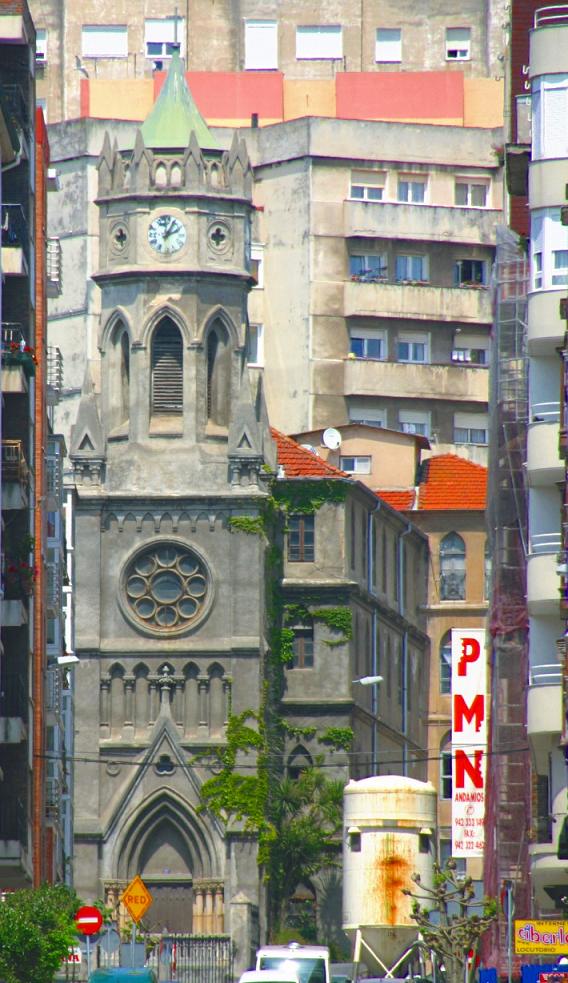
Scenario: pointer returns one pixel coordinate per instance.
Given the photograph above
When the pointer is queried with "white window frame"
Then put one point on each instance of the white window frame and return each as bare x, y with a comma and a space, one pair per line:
559, 267
361, 463
388, 45
370, 273
413, 182
95, 41
471, 184
41, 46
468, 348
372, 416
368, 334
261, 45
320, 42
460, 265
415, 422
549, 239
256, 330
162, 31
471, 425
549, 113
458, 43
257, 256
409, 262
413, 339
367, 185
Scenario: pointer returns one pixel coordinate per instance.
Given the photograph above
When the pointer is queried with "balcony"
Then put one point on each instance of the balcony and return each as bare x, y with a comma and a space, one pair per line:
367, 377
15, 860
548, 873
17, 105
543, 584
15, 240
13, 710
15, 475
13, 375
545, 329
420, 301
437, 223
544, 711
544, 466
14, 614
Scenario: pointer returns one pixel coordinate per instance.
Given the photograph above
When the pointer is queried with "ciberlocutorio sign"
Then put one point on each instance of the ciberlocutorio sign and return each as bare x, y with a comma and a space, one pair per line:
540, 938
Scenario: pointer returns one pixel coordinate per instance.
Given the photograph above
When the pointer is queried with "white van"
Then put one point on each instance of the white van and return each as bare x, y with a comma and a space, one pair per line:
269, 976
309, 962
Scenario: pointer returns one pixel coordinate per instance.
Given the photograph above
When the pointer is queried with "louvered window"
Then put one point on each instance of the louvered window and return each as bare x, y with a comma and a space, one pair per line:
167, 369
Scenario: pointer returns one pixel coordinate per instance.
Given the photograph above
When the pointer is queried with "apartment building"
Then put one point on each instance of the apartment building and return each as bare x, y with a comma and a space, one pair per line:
443, 495
548, 73
32, 730
303, 41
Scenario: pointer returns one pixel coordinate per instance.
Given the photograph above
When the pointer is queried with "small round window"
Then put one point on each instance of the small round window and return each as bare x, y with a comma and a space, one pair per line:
166, 588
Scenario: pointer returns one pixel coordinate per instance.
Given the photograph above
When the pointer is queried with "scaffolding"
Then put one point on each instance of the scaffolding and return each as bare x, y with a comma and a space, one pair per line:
509, 772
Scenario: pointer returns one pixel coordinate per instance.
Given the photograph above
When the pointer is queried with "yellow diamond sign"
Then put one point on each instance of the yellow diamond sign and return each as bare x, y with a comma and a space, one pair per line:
136, 898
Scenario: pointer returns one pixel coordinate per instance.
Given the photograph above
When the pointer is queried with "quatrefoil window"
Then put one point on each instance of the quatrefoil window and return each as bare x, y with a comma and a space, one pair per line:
166, 588
219, 237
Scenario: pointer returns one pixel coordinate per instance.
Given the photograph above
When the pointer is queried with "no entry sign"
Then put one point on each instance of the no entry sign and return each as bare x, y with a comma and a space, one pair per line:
88, 920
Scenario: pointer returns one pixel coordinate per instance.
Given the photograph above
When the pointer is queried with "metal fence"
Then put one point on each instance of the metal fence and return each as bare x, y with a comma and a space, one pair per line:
193, 958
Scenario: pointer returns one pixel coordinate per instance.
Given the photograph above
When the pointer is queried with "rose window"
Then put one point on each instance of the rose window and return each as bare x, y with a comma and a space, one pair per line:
166, 588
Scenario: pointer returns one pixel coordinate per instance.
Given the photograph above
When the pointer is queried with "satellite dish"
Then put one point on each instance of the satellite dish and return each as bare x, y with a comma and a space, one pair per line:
309, 447
331, 439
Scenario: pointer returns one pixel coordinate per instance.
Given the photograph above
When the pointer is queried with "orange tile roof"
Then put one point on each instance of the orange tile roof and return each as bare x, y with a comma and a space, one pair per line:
451, 483
300, 463
400, 500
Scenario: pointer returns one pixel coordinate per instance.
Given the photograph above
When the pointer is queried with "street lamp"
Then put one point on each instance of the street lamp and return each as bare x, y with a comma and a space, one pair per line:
373, 681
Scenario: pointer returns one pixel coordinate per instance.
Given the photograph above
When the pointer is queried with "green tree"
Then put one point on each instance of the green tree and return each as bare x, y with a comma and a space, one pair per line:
306, 814
452, 920
36, 929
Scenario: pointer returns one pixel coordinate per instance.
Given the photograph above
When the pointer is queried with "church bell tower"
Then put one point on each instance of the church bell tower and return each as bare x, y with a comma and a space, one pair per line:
171, 442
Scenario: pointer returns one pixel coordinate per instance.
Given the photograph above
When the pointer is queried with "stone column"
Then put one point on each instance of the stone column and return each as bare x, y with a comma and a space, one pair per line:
219, 926
104, 707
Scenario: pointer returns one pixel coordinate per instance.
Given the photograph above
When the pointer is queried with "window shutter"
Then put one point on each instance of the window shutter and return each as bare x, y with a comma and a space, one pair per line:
261, 44
167, 370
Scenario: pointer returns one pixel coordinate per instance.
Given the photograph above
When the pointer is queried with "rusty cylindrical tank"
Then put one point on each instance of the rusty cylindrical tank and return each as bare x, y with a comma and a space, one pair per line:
389, 826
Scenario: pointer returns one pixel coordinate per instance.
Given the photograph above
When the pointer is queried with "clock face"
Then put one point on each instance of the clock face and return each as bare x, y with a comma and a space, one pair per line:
166, 234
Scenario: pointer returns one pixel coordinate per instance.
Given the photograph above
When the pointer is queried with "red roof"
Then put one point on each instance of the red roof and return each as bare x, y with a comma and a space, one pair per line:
451, 483
300, 463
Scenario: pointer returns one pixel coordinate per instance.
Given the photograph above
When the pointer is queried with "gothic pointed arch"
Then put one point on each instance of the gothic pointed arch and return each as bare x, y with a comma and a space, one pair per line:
218, 358
166, 368
165, 825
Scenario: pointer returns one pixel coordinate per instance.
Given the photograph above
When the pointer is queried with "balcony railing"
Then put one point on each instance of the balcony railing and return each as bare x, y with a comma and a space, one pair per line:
548, 674
13, 820
53, 267
545, 412
14, 464
545, 542
12, 334
53, 690
54, 372
52, 796
452, 586
551, 16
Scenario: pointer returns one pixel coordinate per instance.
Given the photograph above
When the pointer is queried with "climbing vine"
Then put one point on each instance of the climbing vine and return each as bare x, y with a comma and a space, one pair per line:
253, 525
338, 738
306, 497
337, 619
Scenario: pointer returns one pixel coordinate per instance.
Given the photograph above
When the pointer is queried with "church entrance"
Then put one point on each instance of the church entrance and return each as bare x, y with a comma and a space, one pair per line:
171, 909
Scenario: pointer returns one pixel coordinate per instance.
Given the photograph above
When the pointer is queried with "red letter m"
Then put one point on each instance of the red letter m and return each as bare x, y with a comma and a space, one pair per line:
462, 710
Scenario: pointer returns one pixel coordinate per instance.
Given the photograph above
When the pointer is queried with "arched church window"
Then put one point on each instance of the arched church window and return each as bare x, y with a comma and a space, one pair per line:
218, 375
125, 374
167, 368
175, 175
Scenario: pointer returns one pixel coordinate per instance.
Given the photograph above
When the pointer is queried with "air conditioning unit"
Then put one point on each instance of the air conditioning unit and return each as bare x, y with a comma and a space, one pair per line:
41, 56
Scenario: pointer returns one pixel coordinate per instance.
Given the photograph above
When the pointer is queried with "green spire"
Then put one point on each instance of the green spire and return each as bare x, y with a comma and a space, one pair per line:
174, 114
